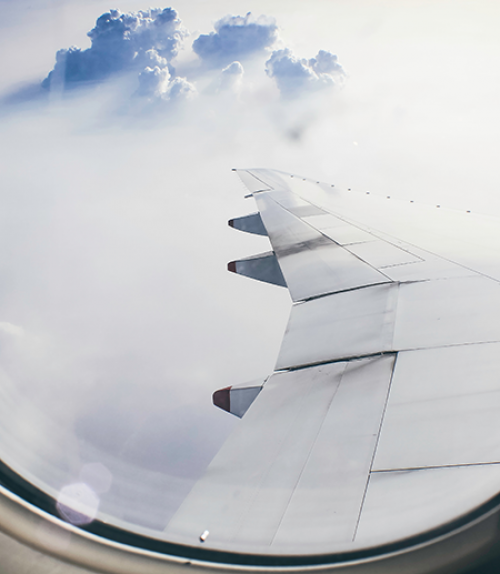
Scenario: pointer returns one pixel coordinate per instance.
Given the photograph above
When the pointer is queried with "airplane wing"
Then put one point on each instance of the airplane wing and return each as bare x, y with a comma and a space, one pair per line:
379, 430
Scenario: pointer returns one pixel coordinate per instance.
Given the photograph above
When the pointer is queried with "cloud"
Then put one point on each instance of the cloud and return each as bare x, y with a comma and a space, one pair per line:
236, 37
120, 42
180, 89
233, 70
157, 83
231, 78
153, 82
298, 76
152, 58
120, 173
146, 42
11, 329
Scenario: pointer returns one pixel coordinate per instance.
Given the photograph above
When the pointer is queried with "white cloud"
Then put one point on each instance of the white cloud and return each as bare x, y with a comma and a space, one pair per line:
231, 78
157, 84
144, 45
153, 82
233, 70
11, 329
151, 58
180, 89
296, 76
120, 42
236, 37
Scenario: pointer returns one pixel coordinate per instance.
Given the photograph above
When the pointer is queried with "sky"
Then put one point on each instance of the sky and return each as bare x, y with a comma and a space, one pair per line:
118, 318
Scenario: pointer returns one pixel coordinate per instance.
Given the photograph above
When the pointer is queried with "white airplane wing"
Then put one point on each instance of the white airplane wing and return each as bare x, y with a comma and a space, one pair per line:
380, 428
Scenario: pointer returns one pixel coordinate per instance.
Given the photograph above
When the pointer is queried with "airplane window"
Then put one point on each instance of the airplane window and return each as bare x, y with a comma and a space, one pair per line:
119, 318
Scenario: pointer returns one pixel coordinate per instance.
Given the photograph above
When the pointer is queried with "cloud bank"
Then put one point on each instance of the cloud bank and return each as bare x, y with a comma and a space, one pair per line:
120, 42
296, 76
118, 293
146, 43
236, 37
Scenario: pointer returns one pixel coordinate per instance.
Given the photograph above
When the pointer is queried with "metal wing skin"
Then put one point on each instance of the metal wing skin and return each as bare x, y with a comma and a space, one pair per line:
375, 444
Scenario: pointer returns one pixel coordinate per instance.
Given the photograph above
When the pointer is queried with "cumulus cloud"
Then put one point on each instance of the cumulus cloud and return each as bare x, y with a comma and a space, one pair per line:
236, 37
153, 82
144, 44
157, 83
151, 58
120, 42
180, 89
231, 77
296, 76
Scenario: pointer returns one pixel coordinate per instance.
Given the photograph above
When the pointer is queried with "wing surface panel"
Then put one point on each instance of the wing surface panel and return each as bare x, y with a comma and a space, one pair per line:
303, 451
392, 317
430, 267
295, 205
220, 501
331, 487
427, 253
381, 254
447, 312
324, 221
252, 182
446, 403
464, 239
350, 324
347, 235
410, 502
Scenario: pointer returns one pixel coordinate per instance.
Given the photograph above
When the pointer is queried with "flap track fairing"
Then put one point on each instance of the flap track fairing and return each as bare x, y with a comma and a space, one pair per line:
249, 223
263, 267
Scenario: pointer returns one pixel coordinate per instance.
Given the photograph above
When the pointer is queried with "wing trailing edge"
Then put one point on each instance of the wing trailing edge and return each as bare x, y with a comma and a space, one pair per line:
384, 403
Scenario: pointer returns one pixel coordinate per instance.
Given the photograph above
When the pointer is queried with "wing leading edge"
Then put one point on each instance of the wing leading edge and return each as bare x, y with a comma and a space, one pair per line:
385, 400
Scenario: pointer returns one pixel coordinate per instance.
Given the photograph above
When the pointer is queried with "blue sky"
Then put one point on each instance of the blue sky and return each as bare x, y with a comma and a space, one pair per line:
117, 316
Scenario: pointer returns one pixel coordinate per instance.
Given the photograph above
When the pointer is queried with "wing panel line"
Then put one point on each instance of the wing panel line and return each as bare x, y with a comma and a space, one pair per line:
244, 513
376, 446
330, 239
406, 242
309, 454
430, 467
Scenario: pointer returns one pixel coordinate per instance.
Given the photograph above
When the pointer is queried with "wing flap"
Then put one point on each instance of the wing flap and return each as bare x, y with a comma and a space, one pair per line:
302, 452
447, 243
312, 263
349, 324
